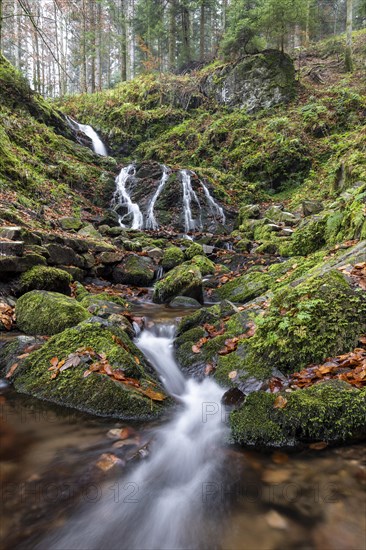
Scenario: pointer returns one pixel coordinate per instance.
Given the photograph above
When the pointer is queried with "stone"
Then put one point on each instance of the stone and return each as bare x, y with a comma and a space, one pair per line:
183, 280
134, 270
173, 256
63, 255
45, 278
311, 207
47, 313
11, 248
69, 223
110, 257
156, 254
90, 232
184, 301
257, 81
15, 264
11, 233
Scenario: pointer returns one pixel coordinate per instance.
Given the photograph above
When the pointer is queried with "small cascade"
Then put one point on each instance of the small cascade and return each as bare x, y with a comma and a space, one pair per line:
159, 273
188, 194
122, 198
215, 208
151, 222
168, 490
98, 146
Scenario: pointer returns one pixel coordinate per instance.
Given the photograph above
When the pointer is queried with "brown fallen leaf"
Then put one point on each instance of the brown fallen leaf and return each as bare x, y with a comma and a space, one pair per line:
196, 349
11, 371
318, 446
280, 402
54, 361
108, 461
233, 374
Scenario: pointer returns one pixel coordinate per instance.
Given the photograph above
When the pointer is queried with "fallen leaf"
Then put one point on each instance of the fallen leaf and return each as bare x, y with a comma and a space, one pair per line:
11, 371
280, 402
233, 374
108, 461
318, 446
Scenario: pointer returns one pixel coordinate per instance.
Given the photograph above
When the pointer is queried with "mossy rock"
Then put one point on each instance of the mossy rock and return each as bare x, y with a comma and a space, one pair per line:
183, 280
246, 287
97, 393
90, 299
47, 313
321, 317
310, 236
45, 278
329, 411
173, 256
194, 249
134, 270
206, 266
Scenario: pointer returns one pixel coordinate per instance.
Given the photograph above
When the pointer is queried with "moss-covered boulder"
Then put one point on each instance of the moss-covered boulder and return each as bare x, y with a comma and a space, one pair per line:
45, 278
246, 287
195, 249
183, 280
206, 266
42, 312
97, 393
134, 270
173, 256
321, 317
330, 411
310, 236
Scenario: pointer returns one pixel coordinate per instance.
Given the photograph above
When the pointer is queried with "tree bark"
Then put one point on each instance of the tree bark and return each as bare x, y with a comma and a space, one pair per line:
349, 57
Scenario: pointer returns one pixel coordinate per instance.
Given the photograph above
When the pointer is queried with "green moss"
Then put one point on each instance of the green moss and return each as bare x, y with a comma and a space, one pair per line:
328, 411
206, 266
183, 280
320, 317
173, 256
194, 249
45, 278
47, 313
246, 287
105, 297
310, 236
97, 393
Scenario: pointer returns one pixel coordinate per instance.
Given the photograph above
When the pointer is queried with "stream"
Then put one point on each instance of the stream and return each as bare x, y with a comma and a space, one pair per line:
176, 483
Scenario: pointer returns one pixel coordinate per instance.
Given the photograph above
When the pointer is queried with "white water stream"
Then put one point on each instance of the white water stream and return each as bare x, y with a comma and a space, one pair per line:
98, 145
151, 222
160, 505
190, 224
122, 198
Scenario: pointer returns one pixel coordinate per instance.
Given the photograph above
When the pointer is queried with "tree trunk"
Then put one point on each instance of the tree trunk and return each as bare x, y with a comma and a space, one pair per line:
172, 34
348, 57
186, 39
202, 29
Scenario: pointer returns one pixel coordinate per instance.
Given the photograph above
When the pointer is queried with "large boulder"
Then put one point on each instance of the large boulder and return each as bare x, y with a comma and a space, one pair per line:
331, 412
134, 270
105, 373
173, 256
257, 81
42, 312
183, 280
45, 278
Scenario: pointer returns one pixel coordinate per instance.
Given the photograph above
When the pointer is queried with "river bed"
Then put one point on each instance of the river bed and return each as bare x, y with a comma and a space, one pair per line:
68, 482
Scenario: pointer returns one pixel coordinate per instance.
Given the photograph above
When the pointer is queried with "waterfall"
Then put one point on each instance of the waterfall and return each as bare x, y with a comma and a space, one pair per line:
122, 198
215, 208
163, 503
189, 194
151, 222
98, 145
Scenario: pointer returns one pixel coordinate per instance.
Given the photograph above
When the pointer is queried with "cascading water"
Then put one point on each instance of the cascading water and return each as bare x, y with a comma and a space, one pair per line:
122, 198
190, 224
215, 208
151, 222
98, 145
166, 502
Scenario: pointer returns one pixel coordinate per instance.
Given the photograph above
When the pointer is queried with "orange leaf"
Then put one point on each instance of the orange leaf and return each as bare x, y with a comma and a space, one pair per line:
280, 402
54, 361
11, 370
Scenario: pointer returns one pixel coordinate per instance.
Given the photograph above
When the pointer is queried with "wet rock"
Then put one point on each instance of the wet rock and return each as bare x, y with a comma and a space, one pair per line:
11, 233
47, 313
184, 301
134, 270
110, 257
233, 398
173, 256
97, 393
90, 232
14, 264
183, 280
